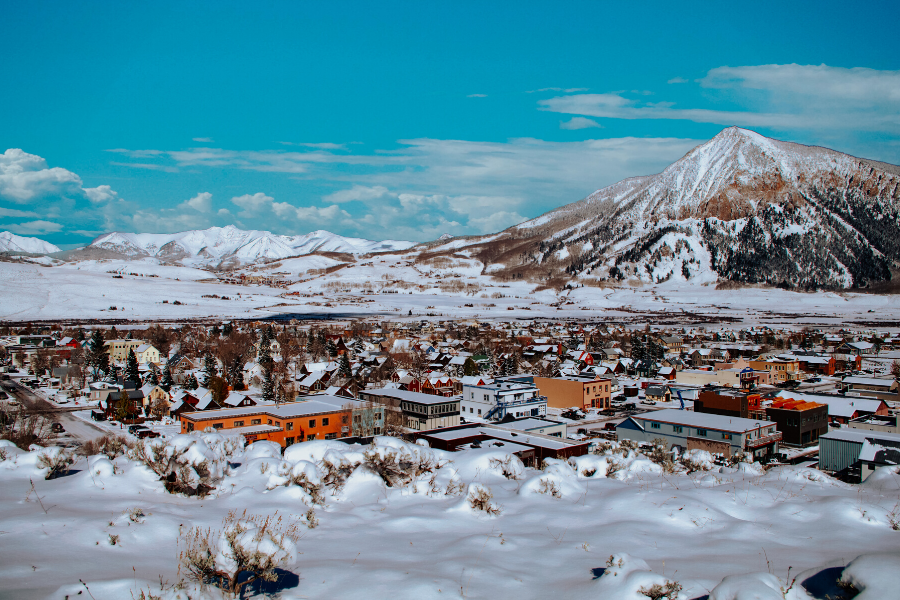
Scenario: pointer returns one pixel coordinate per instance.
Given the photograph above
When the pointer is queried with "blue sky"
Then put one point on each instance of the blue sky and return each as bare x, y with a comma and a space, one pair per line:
405, 120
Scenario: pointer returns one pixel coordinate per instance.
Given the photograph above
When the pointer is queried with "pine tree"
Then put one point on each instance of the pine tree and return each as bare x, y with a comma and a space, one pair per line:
344, 369
264, 355
154, 376
210, 369
129, 336
268, 391
166, 383
132, 373
97, 355
236, 373
191, 383
331, 348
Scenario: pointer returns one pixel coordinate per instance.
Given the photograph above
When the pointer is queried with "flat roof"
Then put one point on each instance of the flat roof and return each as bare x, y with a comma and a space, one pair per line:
519, 437
417, 397
527, 424
703, 420
283, 411
860, 435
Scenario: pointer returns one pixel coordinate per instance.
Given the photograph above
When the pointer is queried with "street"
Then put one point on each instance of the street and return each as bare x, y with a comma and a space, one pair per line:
77, 430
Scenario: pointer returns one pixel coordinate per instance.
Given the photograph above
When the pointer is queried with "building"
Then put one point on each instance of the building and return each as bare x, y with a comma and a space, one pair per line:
575, 392
842, 409
533, 425
146, 354
728, 403
658, 393
782, 368
881, 423
118, 349
532, 448
840, 450
319, 417
698, 377
420, 411
870, 384
701, 431
801, 423
502, 398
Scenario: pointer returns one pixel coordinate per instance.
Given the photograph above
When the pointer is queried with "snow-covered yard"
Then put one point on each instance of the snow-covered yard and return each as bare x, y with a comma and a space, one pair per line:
112, 525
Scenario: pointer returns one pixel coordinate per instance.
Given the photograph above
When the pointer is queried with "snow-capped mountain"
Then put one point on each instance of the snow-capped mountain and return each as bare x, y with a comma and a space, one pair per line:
10, 242
740, 207
229, 245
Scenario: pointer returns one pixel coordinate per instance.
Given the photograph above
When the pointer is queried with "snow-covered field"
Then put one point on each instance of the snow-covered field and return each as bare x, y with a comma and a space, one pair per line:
396, 285
553, 535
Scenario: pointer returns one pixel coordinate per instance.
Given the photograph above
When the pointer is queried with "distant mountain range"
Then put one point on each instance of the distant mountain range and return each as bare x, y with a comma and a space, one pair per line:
10, 242
740, 207
225, 246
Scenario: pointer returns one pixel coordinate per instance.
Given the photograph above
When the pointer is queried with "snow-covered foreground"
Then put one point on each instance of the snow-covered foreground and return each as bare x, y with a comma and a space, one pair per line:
726, 533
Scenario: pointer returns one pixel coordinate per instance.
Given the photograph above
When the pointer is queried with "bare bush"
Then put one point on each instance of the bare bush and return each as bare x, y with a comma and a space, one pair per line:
505, 466
173, 466
112, 446
738, 458
398, 469
612, 468
550, 488
247, 549
481, 498
669, 591
57, 462
310, 487
662, 457
23, 429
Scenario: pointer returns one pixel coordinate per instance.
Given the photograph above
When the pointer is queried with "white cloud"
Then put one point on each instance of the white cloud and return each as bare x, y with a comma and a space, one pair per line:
477, 96
357, 193
34, 227
12, 212
253, 203
579, 123
808, 97
202, 202
203, 140
677, 80
101, 193
25, 177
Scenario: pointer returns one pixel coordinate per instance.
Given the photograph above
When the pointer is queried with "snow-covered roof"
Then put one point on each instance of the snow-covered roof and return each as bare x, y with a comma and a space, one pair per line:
702, 420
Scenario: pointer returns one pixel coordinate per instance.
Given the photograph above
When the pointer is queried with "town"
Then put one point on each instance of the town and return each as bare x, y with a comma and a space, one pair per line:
811, 397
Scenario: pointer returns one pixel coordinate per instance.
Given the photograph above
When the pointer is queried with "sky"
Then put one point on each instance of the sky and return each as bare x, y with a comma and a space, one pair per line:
406, 120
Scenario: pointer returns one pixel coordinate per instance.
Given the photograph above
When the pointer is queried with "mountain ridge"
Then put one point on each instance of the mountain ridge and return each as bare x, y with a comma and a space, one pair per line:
10, 242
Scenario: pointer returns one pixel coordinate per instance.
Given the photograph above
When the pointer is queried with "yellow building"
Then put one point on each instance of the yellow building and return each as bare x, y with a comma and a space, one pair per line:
118, 350
781, 369
579, 392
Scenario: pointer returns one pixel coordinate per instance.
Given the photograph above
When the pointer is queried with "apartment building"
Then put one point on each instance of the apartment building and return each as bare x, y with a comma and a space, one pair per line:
577, 392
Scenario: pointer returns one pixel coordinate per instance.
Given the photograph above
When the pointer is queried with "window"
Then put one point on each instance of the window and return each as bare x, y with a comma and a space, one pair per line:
288, 441
310, 437
701, 432
270, 421
330, 436
654, 425
677, 428
471, 410
312, 422
479, 412
256, 422
217, 426
325, 422
190, 426
238, 423
290, 426
344, 419
726, 436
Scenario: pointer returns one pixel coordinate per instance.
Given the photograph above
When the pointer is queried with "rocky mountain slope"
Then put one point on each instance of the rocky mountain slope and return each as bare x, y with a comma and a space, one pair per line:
10, 242
226, 246
740, 207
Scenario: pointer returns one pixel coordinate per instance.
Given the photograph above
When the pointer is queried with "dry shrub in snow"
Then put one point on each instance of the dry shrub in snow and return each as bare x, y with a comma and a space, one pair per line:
304, 476
247, 547
667, 591
113, 446
550, 488
22, 429
190, 464
659, 455
481, 498
399, 467
55, 461
510, 467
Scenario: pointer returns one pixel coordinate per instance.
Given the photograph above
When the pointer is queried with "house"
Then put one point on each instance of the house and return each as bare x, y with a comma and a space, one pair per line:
714, 433
286, 424
314, 382
532, 448
873, 384
658, 393
667, 373
575, 391
420, 411
801, 423
698, 377
152, 393
146, 354
501, 398
118, 349
841, 409
783, 369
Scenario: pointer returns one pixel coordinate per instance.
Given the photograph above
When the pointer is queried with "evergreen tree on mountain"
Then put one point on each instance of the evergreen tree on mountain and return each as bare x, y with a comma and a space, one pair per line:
132, 372
210, 369
167, 382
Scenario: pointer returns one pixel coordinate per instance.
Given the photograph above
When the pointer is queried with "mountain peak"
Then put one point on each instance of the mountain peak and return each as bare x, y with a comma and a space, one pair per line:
10, 242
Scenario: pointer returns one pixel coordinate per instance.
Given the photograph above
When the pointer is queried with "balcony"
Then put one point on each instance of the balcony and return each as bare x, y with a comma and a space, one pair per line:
763, 441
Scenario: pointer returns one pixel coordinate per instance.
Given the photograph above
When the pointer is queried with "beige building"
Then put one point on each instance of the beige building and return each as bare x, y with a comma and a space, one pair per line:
146, 354
781, 369
579, 392
118, 349
728, 377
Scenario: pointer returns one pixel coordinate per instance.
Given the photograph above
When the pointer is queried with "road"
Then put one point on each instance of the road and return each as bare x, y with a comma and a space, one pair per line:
77, 430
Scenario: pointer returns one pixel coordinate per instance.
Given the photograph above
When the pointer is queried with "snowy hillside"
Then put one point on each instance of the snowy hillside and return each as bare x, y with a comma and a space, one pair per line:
229, 245
10, 242
741, 207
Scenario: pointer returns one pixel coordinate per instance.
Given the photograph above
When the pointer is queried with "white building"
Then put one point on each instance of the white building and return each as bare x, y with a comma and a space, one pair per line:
497, 400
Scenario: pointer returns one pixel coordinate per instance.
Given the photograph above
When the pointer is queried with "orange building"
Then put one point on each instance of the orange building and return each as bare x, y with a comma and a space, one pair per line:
580, 392
316, 418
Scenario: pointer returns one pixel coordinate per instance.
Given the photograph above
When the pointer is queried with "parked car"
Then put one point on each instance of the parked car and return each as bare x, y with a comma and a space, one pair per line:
133, 428
609, 426
814, 380
57, 428
650, 402
143, 432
